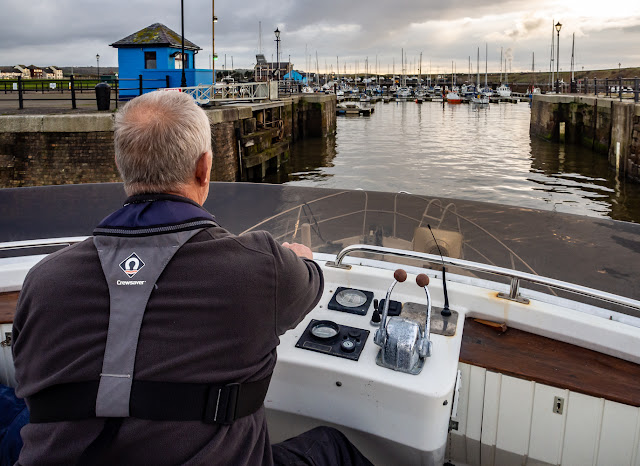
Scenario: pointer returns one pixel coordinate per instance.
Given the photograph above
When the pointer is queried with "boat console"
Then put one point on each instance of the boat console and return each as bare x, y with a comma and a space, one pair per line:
389, 384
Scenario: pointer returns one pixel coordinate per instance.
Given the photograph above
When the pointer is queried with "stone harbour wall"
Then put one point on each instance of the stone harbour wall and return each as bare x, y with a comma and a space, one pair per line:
38, 150
607, 126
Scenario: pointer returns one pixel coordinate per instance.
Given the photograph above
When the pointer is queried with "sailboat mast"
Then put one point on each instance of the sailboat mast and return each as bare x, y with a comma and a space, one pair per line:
486, 57
500, 65
478, 70
573, 45
533, 67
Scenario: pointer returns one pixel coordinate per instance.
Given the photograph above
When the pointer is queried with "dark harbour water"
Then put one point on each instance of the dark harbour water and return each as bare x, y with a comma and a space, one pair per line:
456, 151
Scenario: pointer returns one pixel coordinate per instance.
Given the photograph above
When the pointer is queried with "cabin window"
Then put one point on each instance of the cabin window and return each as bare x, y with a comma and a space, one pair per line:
150, 60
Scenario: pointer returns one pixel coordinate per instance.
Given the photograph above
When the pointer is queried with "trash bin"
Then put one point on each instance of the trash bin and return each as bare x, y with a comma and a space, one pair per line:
103, 96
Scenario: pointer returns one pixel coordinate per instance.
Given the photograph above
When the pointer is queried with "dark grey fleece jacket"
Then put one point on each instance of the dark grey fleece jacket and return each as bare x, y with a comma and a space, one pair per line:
215, 316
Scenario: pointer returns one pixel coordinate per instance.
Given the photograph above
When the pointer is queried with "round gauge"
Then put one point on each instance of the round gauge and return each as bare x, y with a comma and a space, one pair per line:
348, 346
325, 330
351, 298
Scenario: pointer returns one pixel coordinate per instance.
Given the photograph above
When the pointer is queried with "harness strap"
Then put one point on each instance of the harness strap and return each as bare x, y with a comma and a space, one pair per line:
156, 401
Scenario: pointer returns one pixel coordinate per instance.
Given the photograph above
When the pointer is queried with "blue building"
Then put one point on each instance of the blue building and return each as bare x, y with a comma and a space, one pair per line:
155, 52
293, 75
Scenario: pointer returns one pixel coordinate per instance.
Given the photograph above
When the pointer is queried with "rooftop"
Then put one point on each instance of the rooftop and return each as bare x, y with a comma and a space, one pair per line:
156, 34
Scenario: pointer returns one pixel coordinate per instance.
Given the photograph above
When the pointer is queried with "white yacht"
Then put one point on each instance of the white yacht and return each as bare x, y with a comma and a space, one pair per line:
503, 91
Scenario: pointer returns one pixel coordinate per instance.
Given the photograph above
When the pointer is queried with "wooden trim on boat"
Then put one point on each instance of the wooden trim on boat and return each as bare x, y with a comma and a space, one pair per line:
8, 302
551, 362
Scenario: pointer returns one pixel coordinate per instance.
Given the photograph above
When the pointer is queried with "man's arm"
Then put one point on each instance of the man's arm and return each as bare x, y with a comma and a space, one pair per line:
299, 283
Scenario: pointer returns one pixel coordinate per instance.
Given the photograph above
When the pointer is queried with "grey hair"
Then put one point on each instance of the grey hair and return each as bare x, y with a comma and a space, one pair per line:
158, 139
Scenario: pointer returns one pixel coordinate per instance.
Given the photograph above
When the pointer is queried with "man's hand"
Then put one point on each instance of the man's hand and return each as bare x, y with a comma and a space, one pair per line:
300, 249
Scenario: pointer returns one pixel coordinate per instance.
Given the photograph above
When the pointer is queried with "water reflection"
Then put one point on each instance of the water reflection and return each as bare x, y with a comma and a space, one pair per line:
482, 154
308, 162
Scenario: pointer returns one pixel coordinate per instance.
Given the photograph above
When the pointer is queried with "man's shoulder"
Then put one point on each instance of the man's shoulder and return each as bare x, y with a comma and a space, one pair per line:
77, 251
257, 241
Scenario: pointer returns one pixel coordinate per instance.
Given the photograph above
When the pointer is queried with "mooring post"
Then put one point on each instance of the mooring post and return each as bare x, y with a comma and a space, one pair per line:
73, 92
167, 80
606, 84
140, 83
21, 103
636, 90
116, 93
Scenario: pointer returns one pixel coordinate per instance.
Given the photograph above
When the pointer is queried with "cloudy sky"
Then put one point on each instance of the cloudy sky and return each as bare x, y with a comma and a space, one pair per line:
72, 32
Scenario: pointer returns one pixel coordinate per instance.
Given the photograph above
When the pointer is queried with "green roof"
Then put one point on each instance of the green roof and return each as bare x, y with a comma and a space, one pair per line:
157, 34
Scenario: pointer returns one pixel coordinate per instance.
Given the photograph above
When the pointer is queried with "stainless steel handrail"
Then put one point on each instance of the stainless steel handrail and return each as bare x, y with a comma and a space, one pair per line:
41, 243
514, 275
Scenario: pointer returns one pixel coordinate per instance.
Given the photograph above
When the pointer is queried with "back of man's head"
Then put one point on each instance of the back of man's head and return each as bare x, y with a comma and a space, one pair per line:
158, 139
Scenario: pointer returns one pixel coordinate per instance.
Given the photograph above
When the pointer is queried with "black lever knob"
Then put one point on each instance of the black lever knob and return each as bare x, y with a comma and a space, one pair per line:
376, 317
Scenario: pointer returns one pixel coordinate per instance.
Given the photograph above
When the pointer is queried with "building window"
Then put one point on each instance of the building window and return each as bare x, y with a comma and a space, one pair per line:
178, 61
150, 60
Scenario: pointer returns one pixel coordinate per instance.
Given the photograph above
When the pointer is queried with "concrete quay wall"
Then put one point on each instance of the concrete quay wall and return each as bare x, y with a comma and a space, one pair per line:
607, 126
247, 140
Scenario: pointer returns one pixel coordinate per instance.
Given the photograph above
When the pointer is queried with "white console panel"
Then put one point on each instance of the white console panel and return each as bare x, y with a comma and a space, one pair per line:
411, 410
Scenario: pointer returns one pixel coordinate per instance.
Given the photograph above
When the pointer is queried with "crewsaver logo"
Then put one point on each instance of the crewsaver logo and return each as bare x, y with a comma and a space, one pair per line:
131, 265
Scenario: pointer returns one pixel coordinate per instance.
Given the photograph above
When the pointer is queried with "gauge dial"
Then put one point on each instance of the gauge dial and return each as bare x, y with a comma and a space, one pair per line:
325, 330
351, 298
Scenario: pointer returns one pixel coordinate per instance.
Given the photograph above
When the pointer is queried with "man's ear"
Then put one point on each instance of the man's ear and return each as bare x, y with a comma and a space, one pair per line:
203, 168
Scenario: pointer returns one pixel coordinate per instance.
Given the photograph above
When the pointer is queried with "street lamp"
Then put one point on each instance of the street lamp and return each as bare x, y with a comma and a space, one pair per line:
98, 62
183, 83
213, 41
558, 27
277, 33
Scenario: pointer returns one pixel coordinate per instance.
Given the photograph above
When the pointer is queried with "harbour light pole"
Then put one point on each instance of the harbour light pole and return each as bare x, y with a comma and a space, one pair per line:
98, 62
558, 27
183, 82
277, 33
214, 57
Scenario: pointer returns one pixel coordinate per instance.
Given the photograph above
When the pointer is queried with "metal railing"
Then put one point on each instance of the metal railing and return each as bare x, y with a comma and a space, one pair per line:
41, 243
67, 89
204, 94
514, 275
620, 88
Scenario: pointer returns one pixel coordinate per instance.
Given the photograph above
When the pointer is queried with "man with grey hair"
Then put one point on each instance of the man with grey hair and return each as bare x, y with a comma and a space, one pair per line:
153, 342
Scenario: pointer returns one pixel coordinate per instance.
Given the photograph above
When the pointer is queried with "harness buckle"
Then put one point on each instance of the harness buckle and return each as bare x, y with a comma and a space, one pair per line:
222, 403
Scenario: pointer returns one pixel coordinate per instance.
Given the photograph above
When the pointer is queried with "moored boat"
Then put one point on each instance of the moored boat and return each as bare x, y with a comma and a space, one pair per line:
453, 98
503, 91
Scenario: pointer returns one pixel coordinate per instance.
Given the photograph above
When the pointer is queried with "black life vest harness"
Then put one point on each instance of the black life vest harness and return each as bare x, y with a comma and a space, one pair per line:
132, 261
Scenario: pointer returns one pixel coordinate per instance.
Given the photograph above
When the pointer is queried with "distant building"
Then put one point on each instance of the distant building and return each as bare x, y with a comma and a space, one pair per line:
155, 53
53, 72
28, 72
9, 72
266, 71
25, 71
35, 72
295, 76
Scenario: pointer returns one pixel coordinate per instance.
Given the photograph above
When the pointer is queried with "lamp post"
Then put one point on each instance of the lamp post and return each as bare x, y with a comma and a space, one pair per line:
98, 62
558, 27
183, 82
213, 41
277, 33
